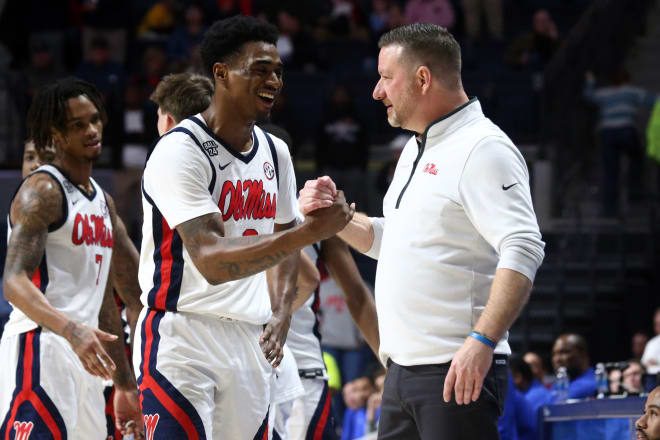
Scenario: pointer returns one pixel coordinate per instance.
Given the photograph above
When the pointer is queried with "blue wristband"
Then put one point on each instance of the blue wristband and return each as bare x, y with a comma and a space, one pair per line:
481, 338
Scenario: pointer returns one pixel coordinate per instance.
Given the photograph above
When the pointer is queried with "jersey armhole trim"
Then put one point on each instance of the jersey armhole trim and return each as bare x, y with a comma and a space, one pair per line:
273, 153
65, 203
192, 136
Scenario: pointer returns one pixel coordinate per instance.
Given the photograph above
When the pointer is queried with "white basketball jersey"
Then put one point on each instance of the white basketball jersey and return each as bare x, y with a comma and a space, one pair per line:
74, 269
191, 173
304, 338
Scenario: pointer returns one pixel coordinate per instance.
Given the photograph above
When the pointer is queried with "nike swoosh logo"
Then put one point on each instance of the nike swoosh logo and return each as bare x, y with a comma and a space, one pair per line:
222, 168
507, 187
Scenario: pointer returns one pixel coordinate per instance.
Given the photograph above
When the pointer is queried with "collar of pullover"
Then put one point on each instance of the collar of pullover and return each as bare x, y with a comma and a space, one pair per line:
451, 121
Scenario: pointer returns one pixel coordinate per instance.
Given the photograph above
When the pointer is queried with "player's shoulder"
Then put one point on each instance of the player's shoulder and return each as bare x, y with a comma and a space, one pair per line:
40, 196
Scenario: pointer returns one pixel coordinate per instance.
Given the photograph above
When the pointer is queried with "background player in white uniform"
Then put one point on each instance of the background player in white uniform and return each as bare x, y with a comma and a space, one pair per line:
215, 188
311, 416
62, 233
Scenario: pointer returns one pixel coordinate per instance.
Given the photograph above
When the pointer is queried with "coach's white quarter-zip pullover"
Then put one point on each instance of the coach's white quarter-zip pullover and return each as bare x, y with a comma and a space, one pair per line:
458, 207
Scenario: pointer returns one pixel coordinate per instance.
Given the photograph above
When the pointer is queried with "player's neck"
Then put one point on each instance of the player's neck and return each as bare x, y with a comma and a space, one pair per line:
77, 170
229, 127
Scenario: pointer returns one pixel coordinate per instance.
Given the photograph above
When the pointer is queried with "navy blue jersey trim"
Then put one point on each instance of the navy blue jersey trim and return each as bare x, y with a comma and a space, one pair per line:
199, 144
89, 197
243, 158
273, 152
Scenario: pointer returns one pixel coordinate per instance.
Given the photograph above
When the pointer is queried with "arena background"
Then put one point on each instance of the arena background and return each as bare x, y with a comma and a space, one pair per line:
600, 275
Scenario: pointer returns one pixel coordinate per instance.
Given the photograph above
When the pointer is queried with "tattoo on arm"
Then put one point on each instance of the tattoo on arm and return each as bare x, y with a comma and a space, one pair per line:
245, 256
37, 205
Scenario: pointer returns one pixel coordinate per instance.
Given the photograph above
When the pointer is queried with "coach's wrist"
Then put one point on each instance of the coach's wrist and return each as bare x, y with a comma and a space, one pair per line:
483, 339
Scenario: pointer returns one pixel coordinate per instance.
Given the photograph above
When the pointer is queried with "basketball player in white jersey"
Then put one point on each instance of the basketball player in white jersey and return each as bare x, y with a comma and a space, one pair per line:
62, 232
219, 209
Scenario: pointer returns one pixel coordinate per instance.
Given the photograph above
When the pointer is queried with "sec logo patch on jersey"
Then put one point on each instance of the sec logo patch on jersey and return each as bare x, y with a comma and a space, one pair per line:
269, 171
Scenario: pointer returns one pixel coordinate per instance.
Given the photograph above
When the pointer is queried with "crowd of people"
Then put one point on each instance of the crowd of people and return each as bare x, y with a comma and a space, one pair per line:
231, 258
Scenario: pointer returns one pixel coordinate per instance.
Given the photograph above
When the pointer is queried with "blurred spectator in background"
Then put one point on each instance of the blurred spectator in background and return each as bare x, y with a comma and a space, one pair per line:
438, 12
535, 395
186, 38
618, 105
362, 397
518, 421
44, 67
473, 10
158, 22
648, 426
345, 20
651, 356
614, 381
109, 78
378, 17
539, 371
632, 377
13, 101
105, 19
638, 344
296, 46
570, 351
342, 146
139, 127
535, 48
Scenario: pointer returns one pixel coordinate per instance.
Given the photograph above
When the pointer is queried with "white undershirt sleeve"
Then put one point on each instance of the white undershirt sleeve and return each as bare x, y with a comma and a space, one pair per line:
378, 223
494, 190
177, 178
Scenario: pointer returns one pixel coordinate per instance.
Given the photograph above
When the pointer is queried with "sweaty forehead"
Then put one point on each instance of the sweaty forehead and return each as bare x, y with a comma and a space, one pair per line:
259, 51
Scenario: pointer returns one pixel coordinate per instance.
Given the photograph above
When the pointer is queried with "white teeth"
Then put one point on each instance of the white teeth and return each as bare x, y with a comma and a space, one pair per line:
267, 95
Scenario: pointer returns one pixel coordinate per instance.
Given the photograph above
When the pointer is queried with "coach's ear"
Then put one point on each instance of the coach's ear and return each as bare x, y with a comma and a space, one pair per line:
423, 78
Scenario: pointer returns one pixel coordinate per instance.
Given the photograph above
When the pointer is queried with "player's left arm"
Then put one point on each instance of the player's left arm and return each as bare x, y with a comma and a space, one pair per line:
127, 407
124, 267
284, 277
495, 194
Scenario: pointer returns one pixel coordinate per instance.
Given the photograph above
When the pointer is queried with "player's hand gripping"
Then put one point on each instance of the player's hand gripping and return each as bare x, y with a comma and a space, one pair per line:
326, 222
128, 417
317, 193
86, 342
467, 372
274, 336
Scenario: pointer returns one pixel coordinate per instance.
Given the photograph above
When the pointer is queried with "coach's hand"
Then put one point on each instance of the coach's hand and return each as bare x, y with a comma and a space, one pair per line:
467, 372
326, 222
128, 417
86, 342
274, 336
316, 194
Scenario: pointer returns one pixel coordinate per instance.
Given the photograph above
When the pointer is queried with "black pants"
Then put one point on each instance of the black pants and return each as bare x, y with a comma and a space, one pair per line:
413, 407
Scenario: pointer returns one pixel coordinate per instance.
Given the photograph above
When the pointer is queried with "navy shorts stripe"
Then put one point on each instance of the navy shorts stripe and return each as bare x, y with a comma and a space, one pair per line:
159, 399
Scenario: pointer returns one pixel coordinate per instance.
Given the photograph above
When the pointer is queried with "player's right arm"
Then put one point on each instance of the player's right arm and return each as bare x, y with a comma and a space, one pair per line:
361, 232
176, 182
220, 259
342, 268
37, 205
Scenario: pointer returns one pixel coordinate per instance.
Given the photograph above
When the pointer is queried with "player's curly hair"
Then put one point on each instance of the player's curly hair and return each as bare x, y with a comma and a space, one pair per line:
225, 38
49, 109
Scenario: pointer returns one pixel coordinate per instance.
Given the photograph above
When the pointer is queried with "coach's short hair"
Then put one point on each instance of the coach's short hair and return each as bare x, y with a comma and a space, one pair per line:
182, 95
429, 45
226, 37
49, 108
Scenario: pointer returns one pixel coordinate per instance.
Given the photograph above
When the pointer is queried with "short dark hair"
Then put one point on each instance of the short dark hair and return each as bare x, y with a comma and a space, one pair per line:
431, 45
518, 365
49, 108
183, 94
226, 37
